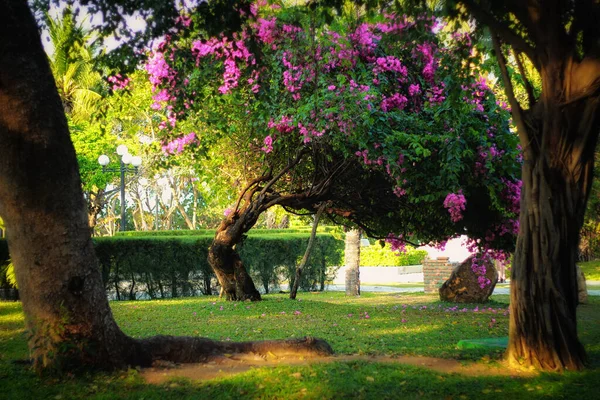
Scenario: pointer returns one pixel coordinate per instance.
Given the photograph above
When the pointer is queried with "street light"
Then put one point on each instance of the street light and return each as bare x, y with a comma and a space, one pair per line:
126, 159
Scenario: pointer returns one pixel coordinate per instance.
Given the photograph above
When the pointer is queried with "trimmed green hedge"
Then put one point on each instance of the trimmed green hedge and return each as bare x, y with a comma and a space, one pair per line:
273, 258
375, 255
174, 266
203, 232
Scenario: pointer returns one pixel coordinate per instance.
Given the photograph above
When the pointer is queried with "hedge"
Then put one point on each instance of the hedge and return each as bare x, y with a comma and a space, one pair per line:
159, 267
164, 267
375, 255
203, 232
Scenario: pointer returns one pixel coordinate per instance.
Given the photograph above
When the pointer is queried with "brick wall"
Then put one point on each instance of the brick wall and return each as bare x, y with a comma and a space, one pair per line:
436, 272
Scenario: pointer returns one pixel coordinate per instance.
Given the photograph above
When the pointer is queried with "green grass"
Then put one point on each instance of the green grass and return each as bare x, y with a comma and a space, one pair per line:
591, 269
397, 324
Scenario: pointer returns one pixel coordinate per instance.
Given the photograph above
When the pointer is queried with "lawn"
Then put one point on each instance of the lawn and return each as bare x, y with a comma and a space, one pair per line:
375, 324
591, 269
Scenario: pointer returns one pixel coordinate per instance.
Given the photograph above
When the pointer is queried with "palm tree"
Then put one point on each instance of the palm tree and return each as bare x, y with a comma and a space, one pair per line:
79, 84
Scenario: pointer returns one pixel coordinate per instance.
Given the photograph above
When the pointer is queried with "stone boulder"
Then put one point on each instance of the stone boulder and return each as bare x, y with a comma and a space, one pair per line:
582, 294
463, 286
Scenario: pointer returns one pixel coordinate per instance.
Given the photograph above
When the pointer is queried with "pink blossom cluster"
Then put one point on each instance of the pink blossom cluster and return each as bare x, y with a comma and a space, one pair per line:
268, 147
479, 269
364, 154
426, 52
309, 131
176, 146
512, 194
158, 69
479, 91
364, 39
118, 82
162, 96
396, 101
390, 64
395, 25
232, 51
285, 124
266, 30
396, 242
293, 76
414, 89
436, 94
455, 203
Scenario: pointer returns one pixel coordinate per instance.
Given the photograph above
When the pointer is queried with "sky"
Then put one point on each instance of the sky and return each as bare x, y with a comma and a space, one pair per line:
134, 22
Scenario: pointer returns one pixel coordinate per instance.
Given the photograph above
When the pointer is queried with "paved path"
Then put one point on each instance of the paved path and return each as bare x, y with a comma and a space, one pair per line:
417, 289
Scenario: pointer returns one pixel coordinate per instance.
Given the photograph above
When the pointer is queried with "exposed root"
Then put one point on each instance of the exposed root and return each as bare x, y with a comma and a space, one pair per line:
185, 349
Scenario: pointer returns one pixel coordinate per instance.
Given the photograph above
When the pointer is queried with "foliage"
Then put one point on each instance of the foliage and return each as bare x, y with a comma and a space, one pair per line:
376, 255
173, 266
427, 332
591, 269
7, 269
383, 105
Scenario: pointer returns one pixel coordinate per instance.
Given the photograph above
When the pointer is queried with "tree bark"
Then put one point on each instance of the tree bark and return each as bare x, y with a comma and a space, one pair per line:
352, 261
225, 261
309, 247
543, 323
67, 313
557, 176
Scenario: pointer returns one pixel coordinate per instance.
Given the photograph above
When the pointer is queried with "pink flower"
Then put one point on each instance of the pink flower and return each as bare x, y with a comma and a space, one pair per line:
455, 203
331, 87
268, 147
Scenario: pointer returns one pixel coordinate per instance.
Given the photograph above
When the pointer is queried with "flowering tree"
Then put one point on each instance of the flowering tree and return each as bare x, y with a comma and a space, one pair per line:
390, 122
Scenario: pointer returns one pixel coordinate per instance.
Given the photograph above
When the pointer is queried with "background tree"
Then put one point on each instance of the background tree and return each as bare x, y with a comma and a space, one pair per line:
558, 130
41, 201
379, 117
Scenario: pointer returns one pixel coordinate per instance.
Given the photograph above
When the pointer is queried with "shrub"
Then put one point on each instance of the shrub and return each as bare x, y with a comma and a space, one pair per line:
272, 258
376, 255
173, 266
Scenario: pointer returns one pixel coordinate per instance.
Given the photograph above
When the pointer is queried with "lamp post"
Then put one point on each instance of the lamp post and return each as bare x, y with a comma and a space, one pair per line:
126, 159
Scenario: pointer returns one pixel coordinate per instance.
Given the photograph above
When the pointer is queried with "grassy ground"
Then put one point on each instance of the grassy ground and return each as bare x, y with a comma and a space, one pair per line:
591, 269
383, 324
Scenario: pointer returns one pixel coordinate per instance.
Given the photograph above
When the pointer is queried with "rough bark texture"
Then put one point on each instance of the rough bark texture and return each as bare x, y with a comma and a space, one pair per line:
225, 261
557, 176
65, 305
543, 320
463, 285
352, 261
558, 132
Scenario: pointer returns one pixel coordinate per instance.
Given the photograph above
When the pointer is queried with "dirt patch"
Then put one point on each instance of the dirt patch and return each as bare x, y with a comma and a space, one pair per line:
235, 364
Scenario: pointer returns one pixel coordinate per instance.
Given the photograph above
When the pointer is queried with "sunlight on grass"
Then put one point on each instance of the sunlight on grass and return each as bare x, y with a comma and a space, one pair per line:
405, 324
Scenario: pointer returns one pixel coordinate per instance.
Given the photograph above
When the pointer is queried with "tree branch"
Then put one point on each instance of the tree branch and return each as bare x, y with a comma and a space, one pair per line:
290, 165
500, 28
526, 82
517, 111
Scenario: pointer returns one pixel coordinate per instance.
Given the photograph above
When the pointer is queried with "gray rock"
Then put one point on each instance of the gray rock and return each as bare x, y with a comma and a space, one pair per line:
463, 285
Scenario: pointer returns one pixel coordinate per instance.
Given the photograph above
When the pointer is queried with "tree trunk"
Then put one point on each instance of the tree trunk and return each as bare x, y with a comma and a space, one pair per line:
309, 247
352, 261
225, 261
66, 309
543, 322
67, 313
557, 176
